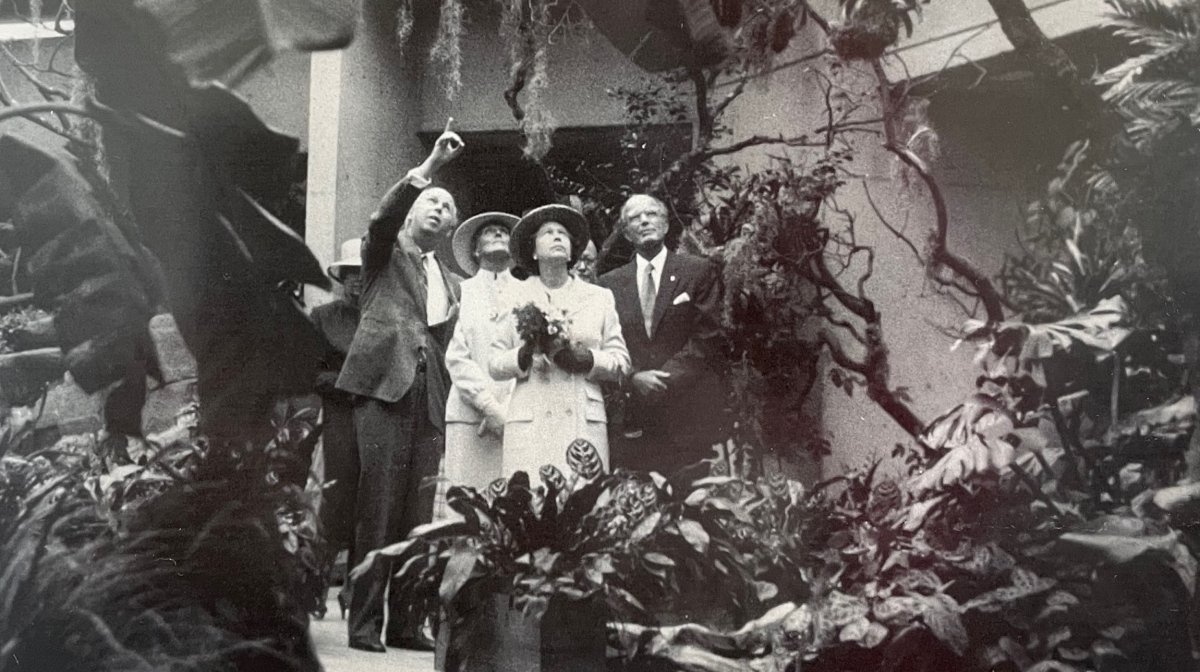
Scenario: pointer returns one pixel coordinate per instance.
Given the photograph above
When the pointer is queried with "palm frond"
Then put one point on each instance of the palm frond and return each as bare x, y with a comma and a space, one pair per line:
1154, 16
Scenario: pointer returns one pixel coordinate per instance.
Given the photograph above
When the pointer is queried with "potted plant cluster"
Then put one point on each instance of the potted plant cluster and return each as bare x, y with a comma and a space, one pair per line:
527, 576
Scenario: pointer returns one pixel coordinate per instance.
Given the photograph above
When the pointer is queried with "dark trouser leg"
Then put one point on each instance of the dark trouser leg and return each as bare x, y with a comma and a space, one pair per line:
341, 467
403, 622
338, 500
385, 447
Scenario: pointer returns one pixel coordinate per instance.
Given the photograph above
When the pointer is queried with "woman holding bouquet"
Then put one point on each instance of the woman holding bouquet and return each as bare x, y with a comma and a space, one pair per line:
561, 340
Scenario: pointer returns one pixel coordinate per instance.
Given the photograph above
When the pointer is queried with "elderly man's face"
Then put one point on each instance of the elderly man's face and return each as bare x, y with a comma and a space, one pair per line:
645, 220
491, 240
434, 213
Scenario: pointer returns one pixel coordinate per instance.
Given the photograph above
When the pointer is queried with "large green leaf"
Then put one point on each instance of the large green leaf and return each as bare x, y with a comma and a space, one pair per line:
695, 535
463, 558
211, 39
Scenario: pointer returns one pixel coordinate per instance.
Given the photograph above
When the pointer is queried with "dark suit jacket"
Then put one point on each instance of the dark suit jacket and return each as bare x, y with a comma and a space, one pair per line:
337, 322
686, 343
392, 336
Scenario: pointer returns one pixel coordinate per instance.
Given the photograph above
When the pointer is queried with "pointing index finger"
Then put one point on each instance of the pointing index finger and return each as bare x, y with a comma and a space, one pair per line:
449, 121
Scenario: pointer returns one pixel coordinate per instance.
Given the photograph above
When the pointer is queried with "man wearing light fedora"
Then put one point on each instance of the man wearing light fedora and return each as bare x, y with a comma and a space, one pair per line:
475, 411
337, 322
396, 370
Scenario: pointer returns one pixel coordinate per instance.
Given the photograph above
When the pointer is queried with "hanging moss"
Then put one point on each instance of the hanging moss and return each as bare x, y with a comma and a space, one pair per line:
525, 28
447, 47
404, 23
538, 125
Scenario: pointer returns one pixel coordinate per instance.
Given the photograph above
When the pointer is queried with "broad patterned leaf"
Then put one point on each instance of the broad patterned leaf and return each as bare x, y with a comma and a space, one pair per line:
645, 527
874, 636
695, 534
1024, 584
841, 609
584, 459
553, 478
854, 631
897, 610
978, 456
940, 613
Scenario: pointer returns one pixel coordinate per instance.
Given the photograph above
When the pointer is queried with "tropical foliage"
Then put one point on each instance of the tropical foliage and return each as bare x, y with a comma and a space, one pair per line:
199, 558
1028, 532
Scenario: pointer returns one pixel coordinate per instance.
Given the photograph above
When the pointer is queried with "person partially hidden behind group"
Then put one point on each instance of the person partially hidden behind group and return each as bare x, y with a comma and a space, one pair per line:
476, 409
396, 369
556, 398
669, 308
337, 322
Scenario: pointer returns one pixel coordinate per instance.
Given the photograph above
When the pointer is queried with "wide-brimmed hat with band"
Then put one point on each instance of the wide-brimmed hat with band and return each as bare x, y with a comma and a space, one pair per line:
463, 243
349, 260
522, 241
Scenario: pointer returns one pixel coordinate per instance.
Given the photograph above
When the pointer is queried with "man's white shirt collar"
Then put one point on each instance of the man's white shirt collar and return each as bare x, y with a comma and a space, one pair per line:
658, 261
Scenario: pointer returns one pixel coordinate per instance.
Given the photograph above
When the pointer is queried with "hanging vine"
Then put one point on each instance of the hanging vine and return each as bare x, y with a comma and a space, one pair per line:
526, 27
447, 47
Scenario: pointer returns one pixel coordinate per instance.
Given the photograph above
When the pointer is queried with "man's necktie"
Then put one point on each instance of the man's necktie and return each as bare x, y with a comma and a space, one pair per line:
648, 292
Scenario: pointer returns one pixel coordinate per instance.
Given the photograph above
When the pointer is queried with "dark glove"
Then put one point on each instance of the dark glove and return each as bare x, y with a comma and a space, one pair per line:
575, 359
525, 356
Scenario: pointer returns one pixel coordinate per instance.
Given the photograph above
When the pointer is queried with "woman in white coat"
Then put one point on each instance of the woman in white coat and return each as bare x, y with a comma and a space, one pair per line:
556, 399
475, 409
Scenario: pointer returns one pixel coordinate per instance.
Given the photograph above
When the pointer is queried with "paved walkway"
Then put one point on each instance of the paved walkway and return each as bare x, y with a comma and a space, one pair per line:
329, 635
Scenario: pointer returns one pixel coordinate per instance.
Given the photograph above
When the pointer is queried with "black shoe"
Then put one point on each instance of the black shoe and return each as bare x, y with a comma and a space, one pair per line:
418, 643
372, 645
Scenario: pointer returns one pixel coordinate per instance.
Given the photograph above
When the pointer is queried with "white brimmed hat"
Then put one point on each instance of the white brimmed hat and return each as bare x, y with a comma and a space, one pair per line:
349, 260
463, 243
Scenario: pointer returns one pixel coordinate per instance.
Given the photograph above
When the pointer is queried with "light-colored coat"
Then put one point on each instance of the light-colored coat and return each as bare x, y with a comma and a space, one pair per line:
472, 457
549, 408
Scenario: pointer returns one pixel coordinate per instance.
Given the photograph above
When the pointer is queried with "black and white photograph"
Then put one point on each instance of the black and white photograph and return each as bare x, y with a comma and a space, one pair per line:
599, 335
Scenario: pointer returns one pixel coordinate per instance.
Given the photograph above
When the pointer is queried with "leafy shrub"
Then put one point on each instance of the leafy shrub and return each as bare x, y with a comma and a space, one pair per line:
178, 563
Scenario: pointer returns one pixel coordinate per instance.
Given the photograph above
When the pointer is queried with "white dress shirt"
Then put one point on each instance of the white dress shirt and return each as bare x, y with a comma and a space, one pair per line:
437, 302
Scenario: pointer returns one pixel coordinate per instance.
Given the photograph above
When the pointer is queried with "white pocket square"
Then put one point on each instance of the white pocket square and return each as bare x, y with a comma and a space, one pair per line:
682, 298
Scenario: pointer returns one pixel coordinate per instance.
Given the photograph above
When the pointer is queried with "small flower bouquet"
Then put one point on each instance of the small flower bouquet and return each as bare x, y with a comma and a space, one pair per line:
548, 333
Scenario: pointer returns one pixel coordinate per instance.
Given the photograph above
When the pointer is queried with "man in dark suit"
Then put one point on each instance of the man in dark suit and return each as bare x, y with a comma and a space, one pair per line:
669, 305
396, 370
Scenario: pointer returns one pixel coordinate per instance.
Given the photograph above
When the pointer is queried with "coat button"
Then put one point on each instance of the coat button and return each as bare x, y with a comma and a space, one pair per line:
568, 411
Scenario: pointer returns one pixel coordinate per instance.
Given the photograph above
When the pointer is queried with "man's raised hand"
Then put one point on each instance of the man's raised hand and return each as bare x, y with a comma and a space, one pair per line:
448, 145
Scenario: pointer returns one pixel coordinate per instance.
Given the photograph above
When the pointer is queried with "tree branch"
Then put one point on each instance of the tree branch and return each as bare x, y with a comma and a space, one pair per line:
1030, 42
840, 356
940, 254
